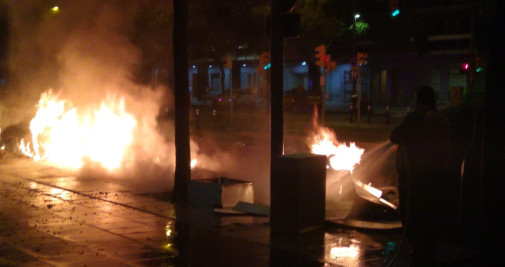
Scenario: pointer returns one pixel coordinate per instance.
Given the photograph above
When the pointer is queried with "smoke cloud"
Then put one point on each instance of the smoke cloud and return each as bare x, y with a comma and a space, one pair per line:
88, 50
85, 51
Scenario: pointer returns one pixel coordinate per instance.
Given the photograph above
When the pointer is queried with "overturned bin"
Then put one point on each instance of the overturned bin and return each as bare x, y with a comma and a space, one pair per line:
297, 193
219, 192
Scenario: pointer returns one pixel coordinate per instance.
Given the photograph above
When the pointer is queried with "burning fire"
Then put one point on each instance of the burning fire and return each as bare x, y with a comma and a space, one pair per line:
193, 163
69, 137
343, 157
340, 155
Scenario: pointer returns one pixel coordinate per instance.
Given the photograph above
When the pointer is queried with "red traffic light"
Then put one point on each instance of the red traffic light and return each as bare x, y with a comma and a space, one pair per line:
465, 66
321, 55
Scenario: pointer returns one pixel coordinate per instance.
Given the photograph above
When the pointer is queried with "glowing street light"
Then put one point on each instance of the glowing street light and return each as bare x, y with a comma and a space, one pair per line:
357, 16
55, 9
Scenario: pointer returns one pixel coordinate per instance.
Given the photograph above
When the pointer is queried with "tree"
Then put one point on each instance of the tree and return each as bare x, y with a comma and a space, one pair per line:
321, 21
153, 36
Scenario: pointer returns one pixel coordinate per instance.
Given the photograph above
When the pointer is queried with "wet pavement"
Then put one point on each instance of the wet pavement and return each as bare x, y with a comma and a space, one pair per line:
49, 217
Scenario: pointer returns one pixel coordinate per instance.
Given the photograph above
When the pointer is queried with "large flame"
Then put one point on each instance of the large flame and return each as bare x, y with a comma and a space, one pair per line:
340, 155
69, 137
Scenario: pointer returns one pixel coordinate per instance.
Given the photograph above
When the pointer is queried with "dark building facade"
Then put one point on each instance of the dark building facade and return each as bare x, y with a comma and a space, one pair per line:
433, 43
436, 43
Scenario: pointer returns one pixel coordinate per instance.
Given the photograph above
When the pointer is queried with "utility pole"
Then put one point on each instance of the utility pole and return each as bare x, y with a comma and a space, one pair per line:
361, 60
324, 61
321, 62
182, 102
358, 90
323, 96
229, 66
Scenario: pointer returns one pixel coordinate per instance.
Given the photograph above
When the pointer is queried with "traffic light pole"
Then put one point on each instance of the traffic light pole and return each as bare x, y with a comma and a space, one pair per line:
323, 94
231, 98
358, 90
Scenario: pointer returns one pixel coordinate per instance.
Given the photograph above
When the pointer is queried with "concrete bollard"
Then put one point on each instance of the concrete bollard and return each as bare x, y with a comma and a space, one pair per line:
369, 114
214, 118
197, 115
387, 114
351, 113
297, 193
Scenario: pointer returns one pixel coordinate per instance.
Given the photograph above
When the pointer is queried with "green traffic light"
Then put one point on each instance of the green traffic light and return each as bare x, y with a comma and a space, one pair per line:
479, 69
395, 12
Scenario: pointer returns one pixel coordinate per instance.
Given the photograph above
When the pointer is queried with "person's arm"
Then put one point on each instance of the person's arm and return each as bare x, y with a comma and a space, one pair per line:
398, 134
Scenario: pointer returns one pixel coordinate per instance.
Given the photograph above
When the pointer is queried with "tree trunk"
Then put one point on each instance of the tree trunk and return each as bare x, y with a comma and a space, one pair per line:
182, 102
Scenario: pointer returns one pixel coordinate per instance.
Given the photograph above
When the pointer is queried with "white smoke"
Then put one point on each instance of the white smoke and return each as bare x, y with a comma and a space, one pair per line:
84, 51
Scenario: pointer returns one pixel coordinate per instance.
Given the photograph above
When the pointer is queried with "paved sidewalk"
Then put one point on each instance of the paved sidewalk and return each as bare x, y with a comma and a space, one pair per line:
49, 217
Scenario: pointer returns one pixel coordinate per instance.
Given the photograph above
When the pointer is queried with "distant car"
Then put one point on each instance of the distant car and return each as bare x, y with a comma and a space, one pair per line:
221, 101
246, 99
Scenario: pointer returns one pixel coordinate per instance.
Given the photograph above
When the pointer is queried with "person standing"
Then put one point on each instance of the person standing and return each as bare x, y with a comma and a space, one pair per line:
423, 139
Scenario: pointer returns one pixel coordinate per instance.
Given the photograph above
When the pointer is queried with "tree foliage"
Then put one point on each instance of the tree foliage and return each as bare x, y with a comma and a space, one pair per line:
152, 35
321, 21
361, 27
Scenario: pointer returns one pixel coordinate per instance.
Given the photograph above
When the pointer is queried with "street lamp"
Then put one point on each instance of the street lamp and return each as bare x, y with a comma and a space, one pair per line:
356, 16
55, 10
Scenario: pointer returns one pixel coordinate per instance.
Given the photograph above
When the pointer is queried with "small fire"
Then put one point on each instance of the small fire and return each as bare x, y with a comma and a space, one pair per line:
69, 137
340, 156
193, 163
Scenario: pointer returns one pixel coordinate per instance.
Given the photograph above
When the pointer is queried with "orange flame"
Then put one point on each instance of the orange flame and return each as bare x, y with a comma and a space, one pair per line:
63, 135
340, 156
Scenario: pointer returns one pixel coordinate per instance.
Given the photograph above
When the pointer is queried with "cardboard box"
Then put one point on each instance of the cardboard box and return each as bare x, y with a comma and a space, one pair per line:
219, 192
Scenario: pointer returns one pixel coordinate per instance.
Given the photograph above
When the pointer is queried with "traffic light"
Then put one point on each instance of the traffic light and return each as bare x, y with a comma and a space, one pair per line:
465, 66
478, 65
362, 59
321, 55
264, 61
330, 65
228, 63
394, 8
